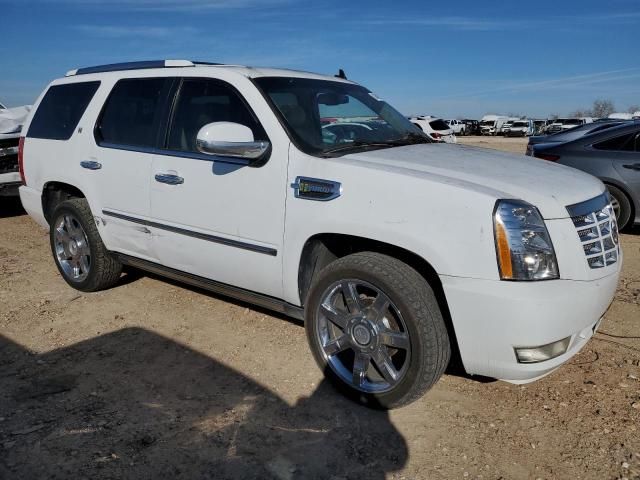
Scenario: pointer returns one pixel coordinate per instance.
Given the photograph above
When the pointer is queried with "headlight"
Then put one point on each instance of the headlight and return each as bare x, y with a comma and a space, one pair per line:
523, 245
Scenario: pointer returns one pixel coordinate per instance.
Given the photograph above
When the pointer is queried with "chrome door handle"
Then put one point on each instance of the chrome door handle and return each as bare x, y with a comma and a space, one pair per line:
91, 165
169, 179
635, 166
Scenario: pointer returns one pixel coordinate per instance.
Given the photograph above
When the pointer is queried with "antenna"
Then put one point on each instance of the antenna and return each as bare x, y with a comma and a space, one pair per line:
341, 74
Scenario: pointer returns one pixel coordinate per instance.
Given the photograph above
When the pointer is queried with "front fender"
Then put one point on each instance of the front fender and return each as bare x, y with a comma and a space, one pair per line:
446, 222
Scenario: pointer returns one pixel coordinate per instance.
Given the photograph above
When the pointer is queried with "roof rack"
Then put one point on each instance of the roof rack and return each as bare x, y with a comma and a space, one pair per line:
114, 67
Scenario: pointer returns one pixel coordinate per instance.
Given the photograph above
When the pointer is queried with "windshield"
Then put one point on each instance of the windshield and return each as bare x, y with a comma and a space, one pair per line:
327, 118
487, 123
572, 121
520, 124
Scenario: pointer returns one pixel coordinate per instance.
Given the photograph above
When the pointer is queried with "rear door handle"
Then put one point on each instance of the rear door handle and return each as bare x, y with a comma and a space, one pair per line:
169, 179
635, 166
91, 165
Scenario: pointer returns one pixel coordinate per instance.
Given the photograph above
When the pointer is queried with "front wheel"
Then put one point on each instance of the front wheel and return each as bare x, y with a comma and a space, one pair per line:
81, 257
375, 328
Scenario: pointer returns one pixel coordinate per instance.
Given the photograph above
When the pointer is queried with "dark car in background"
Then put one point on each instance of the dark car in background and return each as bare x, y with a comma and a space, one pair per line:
613, 155
472, 127
573, 134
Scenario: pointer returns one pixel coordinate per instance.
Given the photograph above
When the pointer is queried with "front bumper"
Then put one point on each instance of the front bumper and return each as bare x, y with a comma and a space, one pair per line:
492, 317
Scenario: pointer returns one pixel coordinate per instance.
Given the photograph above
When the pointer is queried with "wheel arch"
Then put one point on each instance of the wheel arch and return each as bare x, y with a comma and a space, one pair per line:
635, 206
55, 192
321, 249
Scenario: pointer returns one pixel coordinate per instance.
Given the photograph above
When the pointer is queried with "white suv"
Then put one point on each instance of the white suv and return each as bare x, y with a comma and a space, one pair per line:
394, 250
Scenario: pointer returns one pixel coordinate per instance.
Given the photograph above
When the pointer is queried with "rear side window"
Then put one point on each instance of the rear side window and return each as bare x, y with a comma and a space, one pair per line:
61, 109
131, 115
622, 143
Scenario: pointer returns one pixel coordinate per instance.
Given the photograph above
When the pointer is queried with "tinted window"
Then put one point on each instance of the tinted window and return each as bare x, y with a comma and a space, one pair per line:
61, 109
622, 143
439, 125
132, 112
203, 101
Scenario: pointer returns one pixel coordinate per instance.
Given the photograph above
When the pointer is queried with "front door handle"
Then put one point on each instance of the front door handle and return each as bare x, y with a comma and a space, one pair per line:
169, 179
635, 166
91, 165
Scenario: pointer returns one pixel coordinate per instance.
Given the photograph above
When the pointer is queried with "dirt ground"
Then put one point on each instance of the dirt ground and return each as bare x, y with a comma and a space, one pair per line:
153, 379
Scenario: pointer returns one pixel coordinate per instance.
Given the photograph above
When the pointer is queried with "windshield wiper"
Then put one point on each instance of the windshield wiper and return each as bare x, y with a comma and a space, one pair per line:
408, 139
359, 144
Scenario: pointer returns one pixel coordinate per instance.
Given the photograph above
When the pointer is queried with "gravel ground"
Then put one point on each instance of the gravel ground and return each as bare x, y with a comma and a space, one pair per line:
153, 379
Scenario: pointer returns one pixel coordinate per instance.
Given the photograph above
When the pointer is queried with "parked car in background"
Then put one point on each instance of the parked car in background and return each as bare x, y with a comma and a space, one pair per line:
520, 128
458, 126
620, 116
435, 127
540, 126
472, 127
507, 125
613, 155
562, 124
572, 134
11, 121
492, 124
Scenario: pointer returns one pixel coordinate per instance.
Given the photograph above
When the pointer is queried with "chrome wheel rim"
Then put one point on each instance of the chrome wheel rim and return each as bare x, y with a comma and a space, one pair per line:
362, 336
71, 248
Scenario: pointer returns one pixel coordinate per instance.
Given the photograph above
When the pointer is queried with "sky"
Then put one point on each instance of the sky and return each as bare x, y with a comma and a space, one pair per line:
458, 59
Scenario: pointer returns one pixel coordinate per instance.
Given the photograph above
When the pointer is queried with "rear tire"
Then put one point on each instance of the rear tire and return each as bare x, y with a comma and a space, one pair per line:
621, 205
78, 251
374, 327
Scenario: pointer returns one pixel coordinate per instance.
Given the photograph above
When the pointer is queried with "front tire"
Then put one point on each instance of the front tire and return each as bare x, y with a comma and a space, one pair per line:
374, 327
81, 257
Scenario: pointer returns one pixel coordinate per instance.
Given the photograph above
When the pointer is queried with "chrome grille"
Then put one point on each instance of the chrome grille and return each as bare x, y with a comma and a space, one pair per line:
595, 222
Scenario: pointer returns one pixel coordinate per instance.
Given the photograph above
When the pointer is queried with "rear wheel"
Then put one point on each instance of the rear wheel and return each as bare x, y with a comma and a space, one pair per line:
81, 257
375, 328
621, 206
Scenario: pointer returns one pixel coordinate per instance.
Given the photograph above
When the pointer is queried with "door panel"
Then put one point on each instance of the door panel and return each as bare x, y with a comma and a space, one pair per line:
222, 221
126, 134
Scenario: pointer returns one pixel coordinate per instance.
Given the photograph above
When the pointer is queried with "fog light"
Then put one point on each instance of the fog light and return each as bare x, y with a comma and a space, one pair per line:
542, 353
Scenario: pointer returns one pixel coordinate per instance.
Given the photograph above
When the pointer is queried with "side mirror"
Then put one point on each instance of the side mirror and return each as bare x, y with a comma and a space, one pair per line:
229, 139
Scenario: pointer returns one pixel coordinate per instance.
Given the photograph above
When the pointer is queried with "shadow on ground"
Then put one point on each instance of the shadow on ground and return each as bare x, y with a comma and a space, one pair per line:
11, 207
133, 404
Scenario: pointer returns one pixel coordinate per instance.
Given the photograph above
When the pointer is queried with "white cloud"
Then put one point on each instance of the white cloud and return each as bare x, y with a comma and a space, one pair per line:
173, 5
120, 31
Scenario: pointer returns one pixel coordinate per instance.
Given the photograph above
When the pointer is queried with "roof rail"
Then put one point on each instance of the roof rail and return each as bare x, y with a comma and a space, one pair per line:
114, 67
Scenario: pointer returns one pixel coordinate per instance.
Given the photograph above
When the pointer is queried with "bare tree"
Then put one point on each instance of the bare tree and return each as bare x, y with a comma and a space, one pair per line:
634, 109
602, 108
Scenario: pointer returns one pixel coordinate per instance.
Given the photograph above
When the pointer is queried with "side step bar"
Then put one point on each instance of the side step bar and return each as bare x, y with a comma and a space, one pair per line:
241, 294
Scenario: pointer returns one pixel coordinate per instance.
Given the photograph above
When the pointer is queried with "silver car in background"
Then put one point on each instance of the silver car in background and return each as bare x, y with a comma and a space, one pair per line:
611, 154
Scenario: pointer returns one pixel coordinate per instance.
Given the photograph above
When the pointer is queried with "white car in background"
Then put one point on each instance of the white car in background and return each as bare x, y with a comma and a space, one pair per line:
520, 128
458, 126
562, 124
435, 127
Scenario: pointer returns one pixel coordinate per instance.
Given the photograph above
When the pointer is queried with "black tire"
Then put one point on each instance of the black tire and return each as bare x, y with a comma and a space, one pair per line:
103, 269
623, 216
430, 349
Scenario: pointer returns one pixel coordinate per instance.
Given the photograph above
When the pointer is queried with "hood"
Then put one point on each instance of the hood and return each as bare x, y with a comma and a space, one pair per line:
548, 186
